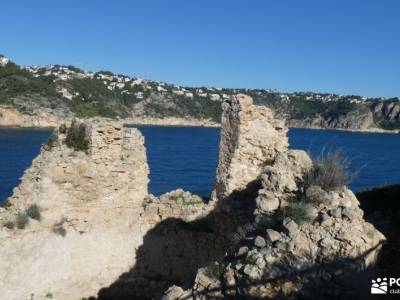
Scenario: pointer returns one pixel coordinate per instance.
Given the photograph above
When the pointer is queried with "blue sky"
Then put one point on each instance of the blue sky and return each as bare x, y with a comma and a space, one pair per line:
347, 47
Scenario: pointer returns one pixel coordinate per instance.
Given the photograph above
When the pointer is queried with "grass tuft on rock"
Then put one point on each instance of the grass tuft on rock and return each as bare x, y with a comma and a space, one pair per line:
299, 212
330, 172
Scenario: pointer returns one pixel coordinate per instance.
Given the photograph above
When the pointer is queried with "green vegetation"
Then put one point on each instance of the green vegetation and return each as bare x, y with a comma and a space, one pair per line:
93, 98
22, 220
58, 228
299, 212
62, 129
6, 204
9, 224
51, 141
33, 212
384, 123
15, 82
330, 172
76, 137
214, 271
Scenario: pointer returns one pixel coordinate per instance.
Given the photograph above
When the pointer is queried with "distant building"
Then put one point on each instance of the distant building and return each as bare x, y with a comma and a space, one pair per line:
189, 95
178, 92
215, 97
139, 95
3, 60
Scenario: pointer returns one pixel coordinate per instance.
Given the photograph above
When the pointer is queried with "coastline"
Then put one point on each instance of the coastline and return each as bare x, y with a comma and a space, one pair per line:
369, 130
11, 118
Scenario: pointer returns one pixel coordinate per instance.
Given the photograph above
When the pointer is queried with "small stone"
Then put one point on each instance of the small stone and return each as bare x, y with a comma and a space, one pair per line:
173, 293
260, 242
336, 213
260, 262
242, 251
324, 217
238, 266
326, 243
290, 226
348, 213
281, 246
267, 202
252, 271
273, 235
229, 278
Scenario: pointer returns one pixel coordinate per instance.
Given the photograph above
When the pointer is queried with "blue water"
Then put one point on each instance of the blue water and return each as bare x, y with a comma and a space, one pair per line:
18, 147
186, 157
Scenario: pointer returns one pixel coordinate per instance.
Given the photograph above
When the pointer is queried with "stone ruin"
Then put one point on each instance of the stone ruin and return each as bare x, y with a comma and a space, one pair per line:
101, 235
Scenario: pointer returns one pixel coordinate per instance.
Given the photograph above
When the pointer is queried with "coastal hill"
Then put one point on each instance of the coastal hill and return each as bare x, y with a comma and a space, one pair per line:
44, 96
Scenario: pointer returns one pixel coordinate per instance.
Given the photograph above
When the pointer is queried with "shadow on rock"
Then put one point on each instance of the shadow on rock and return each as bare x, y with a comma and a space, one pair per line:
174, 250
339, 278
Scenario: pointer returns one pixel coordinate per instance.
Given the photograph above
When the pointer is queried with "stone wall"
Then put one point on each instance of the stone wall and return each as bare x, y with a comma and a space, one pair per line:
90, 204
300, 242
250, 139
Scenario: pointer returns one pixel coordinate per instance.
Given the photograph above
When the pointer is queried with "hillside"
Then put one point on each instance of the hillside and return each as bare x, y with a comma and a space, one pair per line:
67, 91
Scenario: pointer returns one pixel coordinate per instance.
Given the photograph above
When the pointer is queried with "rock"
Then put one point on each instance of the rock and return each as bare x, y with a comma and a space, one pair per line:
252, 271
250, 137
173, 293
273, 235
317, 195
348, 213
290, 226
260, 242
306, 255
267, 202
89, 231
242, 251
336, 213
230, 282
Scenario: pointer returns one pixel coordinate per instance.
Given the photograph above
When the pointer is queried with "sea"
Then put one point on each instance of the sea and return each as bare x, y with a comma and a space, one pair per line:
186, 157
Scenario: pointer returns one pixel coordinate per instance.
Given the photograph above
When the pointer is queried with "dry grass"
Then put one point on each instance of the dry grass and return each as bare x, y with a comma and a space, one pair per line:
330, 172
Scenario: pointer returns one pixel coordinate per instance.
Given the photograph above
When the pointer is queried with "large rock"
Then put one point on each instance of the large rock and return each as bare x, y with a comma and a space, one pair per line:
250, 139
89, 228
306, 241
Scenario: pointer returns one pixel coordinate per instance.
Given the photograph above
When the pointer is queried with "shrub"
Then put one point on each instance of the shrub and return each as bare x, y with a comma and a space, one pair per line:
6, 204
62, 129
76, 137
22, 220
51, 142
9, 224
214, 271
33, 212
299, 212
330, 172
58, 228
